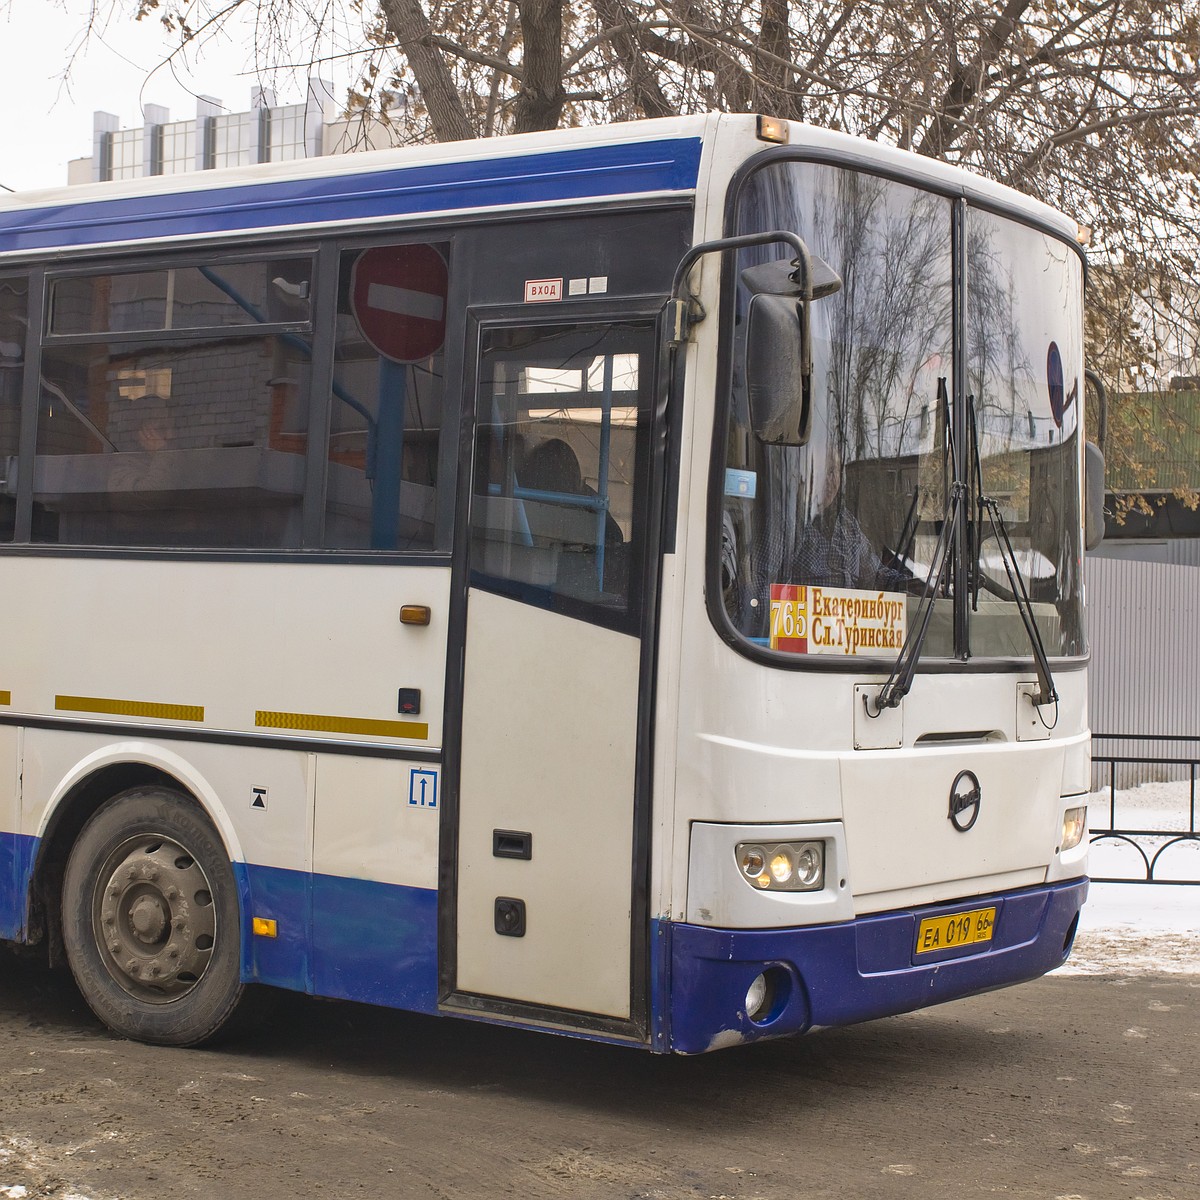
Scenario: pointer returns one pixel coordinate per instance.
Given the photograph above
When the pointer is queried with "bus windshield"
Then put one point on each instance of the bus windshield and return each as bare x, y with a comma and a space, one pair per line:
826, 545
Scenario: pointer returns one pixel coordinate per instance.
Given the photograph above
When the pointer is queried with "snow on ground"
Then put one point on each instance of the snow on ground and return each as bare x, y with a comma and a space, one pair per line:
23, 1155
1129, 928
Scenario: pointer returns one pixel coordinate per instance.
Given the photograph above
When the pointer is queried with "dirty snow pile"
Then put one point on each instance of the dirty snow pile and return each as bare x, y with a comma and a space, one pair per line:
1131, 927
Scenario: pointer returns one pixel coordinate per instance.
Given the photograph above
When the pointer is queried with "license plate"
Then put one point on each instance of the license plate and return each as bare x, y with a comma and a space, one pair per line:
962, 929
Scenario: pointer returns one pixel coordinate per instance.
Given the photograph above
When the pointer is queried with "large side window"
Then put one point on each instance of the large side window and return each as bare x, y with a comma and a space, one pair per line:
388, 385
14, 292
174, 407
560, 465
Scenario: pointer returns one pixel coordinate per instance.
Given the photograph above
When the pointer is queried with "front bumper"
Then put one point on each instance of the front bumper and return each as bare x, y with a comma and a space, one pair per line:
849, 971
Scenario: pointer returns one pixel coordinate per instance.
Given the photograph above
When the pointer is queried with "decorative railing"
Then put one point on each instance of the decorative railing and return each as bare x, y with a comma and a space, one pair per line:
1150, 844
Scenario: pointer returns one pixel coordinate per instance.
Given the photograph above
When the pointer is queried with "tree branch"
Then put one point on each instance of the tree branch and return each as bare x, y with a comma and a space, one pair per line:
965, 82
408, 24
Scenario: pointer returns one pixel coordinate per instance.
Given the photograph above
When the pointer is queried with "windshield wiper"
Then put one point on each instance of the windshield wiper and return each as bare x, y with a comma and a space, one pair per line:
1016, 582
1012, 568
899, 682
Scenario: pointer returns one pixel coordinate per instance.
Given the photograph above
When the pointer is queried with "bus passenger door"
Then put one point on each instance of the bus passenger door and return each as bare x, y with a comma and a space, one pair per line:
553, 659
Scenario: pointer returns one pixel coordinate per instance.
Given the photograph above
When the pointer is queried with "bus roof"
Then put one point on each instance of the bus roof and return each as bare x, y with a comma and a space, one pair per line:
634, 160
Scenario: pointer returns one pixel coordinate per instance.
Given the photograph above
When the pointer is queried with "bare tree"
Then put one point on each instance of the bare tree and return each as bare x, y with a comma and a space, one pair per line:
1090, 105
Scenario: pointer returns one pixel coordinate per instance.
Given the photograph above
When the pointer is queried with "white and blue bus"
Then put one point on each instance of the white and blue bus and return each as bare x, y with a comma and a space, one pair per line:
623, 582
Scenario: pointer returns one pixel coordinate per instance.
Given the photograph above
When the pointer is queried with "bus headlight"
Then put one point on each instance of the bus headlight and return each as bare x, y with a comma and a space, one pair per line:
783, 866
1074, 827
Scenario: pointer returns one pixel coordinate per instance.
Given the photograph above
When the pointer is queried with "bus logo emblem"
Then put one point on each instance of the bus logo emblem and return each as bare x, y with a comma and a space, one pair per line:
965, 795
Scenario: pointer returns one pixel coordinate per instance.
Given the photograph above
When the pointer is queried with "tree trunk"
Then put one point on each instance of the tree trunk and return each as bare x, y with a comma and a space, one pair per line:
774, 82
644, 88
540, 101
408, 24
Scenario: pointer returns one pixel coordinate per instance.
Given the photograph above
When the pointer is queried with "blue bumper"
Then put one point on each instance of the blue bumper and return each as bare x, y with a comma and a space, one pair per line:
852, 971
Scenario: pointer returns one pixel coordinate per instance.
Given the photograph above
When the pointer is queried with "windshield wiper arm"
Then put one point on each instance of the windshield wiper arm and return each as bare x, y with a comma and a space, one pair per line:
899, 682
1016, 583
1012, 568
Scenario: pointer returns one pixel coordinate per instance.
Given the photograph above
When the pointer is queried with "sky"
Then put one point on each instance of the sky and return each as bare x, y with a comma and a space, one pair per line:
46, 118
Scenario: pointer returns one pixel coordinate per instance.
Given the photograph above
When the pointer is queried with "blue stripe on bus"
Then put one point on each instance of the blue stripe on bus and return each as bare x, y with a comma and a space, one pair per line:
375, 942
853, 971
17, 852
284, 897
670, 165
371, 942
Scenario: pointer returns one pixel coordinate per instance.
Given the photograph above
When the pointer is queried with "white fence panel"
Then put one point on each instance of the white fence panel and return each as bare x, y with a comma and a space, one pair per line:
1144, 626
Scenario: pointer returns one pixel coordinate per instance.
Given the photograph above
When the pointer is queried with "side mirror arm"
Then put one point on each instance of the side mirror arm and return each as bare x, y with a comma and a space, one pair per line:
684, 309
1094, 379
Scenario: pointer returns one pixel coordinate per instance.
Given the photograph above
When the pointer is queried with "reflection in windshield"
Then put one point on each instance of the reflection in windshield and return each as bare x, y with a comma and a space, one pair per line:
859, 507
1024, 357
815, 538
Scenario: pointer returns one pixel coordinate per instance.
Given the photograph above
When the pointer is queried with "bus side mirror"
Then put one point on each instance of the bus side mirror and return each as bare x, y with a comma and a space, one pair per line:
1093, 495
779, 369
779, 344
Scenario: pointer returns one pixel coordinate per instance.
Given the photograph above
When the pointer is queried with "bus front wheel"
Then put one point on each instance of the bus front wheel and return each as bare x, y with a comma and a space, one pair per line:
150, 919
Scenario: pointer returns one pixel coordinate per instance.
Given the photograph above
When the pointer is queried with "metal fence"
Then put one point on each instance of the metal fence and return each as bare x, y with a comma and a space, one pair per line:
1152, 846
1144, 622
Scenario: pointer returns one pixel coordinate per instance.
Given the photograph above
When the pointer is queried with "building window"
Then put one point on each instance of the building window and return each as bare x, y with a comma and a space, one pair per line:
125, 154
177, 147
285, 131
236, 139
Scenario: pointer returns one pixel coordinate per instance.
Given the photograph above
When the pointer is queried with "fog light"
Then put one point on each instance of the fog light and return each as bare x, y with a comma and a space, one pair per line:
1073, 828
758, 996
782, 866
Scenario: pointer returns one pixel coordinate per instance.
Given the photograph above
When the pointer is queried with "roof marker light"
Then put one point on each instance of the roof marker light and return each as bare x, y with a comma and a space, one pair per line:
772, 129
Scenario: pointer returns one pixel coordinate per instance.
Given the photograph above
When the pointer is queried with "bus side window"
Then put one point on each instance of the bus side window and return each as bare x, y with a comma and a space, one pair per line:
559, 464
168, 416
386, 417
13, 320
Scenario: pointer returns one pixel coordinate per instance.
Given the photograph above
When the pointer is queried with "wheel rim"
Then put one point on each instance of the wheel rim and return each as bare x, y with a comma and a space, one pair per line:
154, 919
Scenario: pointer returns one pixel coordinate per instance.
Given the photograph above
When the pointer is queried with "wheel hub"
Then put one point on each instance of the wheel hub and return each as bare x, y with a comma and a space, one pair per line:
148, 918
154, 918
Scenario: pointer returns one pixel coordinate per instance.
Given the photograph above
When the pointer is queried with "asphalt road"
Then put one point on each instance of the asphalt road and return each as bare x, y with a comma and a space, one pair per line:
1066, 1088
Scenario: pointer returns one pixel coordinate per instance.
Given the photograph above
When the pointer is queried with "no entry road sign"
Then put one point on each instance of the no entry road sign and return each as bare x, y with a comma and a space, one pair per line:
398, 296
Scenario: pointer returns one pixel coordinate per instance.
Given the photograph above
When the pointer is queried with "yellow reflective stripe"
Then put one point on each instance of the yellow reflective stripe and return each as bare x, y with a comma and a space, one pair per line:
320, 724
5, 697
129, 708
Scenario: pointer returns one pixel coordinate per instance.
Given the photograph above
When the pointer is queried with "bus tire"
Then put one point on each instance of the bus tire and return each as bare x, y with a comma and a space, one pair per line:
150, 919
